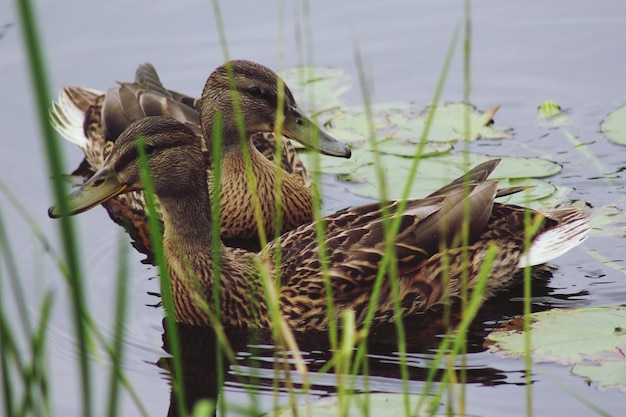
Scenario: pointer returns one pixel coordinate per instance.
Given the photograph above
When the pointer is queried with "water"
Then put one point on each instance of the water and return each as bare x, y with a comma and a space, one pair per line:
523, 54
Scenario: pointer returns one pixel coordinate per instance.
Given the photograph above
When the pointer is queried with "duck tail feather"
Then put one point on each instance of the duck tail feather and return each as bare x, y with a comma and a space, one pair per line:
147, 76
476, 175
572, 230
67, 115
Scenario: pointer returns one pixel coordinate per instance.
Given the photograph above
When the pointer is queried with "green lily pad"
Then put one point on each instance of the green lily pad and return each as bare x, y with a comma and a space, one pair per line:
568, 337
552, 114
376, 404
614, 126
553, 200
405, 148
405, 120
549, 109
437, 167
449, 124
353, 125
436, 171
606, 375
364, 156
318, 89
397, 128
608, 221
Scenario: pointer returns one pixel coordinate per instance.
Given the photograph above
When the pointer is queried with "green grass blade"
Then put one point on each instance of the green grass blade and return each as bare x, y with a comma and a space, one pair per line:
9, 357
121, 301
14, 278
55, 165
41, 401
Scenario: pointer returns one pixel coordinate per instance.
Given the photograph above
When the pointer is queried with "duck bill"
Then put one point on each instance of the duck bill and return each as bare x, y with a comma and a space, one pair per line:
303, 130
102, 186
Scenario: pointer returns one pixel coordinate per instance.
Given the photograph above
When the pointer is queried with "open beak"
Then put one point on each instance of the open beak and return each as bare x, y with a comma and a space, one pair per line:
98, 189
303, 130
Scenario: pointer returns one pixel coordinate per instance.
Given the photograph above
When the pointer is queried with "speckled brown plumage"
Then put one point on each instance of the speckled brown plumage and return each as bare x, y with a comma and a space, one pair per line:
430, 257
104, 116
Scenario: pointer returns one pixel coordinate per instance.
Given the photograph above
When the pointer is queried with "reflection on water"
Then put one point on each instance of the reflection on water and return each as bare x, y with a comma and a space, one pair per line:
261, 368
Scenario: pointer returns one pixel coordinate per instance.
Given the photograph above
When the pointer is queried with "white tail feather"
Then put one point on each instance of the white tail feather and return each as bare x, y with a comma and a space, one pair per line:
555, 242
68, 115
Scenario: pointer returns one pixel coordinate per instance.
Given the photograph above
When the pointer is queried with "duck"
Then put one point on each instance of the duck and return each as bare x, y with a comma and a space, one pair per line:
431, 258
93, 120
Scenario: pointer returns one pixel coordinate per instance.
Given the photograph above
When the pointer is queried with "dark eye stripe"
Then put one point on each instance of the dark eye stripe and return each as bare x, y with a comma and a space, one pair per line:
259, 94
255, 91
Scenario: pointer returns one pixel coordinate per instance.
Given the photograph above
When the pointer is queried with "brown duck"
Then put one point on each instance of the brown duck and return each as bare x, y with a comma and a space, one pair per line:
94, 120
427, 240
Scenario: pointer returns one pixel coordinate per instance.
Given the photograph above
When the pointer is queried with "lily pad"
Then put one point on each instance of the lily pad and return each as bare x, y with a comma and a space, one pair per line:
437, 171
607, 221
555, 199
449, 124
405, 120
397, 128
614, 126
405, 148
606, 375
376, 404
567, 337
553, 114
364, 156
437, 167
318, 89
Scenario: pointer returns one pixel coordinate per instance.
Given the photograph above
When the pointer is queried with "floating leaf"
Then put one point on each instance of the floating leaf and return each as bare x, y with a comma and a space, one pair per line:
549, 109
314, 86
449, 124
364, 156
405, 120
568, 336
552, 113
353, 124
318, 89
614, 126
436, 171
376, 404
404, 148
608, 221
538, 190
594, 339
397, 128
339, 166
606, 375
553, 200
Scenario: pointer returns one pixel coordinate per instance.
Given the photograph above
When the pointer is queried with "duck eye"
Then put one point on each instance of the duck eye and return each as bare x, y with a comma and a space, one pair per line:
254, 91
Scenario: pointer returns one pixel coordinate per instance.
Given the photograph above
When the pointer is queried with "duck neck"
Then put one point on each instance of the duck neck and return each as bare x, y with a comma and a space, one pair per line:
187, 219
188, 247
228, 129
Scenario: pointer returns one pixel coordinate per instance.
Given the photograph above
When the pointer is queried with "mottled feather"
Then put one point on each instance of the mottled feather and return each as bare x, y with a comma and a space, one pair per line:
93, 120
432, 255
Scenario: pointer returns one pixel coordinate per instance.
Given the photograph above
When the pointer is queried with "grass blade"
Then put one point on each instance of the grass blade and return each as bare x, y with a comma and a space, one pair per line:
55, 165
